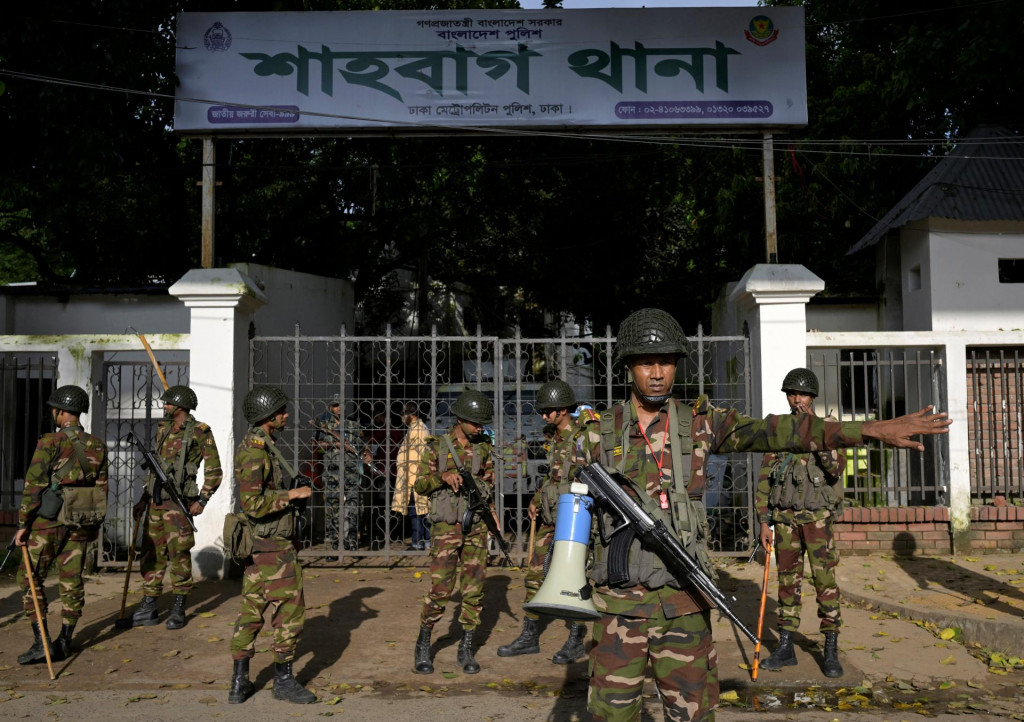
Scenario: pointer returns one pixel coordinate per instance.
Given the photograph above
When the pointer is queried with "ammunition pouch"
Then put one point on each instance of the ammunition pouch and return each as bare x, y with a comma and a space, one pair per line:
803, 487
51, 501
238, 536
83, 506
281, 524
446, 507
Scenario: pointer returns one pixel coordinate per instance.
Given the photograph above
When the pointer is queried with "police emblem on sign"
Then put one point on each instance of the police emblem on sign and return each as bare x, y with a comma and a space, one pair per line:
761, 31
217, 39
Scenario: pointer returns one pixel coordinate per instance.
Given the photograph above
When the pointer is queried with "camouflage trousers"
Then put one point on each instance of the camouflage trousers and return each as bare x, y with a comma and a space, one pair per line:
57, 544
543, 538
682, 658
167, 542
274, 580
342, 521
450, 554
791, 542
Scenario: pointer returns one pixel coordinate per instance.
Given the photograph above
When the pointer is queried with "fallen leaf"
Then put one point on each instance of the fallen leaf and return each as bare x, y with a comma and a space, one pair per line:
172, 653
948, 660
947, 634
207, 615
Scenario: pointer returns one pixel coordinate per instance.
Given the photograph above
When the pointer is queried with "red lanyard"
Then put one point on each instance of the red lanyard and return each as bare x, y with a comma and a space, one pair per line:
659, 460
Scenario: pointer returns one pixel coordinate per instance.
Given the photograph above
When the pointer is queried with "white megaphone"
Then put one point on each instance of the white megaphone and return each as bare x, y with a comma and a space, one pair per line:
565, 593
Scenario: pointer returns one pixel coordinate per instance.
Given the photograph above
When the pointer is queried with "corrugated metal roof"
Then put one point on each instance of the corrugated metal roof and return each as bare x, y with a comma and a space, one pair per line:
982, 179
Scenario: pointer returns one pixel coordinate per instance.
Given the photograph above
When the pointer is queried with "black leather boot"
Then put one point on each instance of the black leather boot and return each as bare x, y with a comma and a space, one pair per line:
422, 663
35, 653
526, 643
830, 666
241, 687
287, 688
62, 644
465, 655
177, 618
783, 656
573, 648
147, 614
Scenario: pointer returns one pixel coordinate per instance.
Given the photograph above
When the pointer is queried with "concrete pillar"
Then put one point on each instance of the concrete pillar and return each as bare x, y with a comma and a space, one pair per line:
959, 446
221, 302
773, 299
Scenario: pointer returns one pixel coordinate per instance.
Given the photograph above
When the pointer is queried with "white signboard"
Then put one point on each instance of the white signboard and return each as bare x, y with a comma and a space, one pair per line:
423, 71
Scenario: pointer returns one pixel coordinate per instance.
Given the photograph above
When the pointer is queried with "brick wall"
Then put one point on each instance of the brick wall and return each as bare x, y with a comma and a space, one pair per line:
925, 530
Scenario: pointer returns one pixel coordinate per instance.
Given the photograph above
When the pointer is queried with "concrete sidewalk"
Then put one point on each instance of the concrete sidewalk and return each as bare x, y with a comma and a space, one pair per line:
356, 651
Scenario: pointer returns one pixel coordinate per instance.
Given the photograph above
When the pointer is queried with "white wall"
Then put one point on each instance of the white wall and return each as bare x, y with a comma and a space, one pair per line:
319, 304
964, 282
47, 314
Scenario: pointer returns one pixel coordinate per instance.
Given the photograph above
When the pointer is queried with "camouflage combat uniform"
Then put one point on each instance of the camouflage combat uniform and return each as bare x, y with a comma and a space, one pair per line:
48, 540
799, 494
338, 505
273, 577
450, 549
168, 540
565, 452
650, 619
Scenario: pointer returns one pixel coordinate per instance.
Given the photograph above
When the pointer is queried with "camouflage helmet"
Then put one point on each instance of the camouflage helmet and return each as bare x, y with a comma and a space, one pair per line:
181, 396
555, 395
69, 398
800, 381
262, 402
473, 406
649, 331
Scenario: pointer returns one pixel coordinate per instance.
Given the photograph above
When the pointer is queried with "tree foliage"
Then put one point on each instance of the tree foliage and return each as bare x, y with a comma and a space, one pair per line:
94, 179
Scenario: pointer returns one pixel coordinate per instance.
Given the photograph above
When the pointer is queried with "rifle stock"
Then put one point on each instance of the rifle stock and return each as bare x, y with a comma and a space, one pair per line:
163, 482
607, 491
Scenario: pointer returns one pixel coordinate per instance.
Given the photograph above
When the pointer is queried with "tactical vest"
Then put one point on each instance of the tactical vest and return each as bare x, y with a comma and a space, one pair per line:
446, 506
74, 503
184, 472
802, 487
685, 515
280, 524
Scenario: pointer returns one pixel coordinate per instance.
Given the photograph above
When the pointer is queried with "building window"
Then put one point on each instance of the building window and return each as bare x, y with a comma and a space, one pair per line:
1011, 270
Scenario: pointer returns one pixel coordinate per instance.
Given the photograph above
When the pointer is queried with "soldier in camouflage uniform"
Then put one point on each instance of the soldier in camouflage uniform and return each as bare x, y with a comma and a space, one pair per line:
800, 495
331, 436
453, 546
182, 443
650, 618
273, 575
68, 471
556, 402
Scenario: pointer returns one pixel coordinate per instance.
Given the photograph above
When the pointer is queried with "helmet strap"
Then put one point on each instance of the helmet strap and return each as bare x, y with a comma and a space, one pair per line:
653, 401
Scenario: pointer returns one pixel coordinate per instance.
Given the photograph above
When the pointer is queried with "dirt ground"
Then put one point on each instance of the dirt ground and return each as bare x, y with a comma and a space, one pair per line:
357, 647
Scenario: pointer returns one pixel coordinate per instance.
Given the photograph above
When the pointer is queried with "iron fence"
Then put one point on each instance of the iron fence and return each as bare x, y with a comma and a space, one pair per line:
870, 384
373, 376
995, 380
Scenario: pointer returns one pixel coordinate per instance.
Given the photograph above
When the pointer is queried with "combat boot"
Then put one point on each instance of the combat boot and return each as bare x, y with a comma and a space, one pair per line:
35, 653
177, 618
783, 656
287, 688
526, 643
422, 663
241, 687
573, 648
830, 666
147, 614
465, 655
62, 644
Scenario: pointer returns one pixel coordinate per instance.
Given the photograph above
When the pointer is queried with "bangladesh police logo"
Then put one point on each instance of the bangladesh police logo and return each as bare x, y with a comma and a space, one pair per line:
761, 31
217, 39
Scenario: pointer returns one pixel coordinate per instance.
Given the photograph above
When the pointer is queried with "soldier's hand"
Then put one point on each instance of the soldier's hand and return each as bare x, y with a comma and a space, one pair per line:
898, 432
452, 479
21, 537
765, 537
302, 492
196, 509
531, 511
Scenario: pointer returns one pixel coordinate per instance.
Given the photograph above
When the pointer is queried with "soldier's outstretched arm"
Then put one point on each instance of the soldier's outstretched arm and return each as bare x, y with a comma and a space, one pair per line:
898, 432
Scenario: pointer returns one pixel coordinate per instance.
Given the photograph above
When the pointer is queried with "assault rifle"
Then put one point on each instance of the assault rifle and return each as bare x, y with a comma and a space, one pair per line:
10, 548
163, 482
477, 502
654, 535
